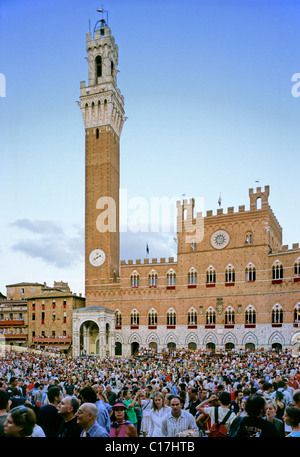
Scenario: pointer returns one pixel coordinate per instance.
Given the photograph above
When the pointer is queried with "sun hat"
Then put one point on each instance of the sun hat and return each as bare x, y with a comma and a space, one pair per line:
119, 404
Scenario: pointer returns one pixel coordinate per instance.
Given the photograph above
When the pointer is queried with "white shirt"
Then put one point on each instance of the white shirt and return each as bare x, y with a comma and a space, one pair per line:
210, 410
172, 426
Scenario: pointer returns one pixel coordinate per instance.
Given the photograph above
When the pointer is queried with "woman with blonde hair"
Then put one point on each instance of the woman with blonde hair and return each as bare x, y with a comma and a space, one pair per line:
159, 410
271, 410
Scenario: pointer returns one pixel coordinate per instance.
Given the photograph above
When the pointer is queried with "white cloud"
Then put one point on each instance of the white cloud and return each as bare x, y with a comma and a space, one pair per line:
51, 243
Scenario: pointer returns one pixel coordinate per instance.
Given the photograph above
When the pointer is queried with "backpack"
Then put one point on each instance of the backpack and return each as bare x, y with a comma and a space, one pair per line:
218, 429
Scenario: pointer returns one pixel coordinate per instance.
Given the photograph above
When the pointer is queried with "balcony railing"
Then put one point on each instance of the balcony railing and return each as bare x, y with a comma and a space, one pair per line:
51, 339
11, 322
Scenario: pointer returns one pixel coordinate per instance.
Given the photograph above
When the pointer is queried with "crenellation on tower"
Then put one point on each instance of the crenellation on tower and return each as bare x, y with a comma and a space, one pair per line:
255, 197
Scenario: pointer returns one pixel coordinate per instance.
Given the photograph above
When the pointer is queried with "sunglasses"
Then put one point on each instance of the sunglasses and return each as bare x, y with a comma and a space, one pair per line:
22, 409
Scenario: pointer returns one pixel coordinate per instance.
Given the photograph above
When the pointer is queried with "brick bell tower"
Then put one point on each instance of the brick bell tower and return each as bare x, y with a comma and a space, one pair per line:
102, 107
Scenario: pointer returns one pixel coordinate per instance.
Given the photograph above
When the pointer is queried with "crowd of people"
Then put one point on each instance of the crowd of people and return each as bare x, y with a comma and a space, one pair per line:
179, 393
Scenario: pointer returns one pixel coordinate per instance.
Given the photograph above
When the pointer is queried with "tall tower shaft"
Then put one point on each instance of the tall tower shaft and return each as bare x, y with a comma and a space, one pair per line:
102, 108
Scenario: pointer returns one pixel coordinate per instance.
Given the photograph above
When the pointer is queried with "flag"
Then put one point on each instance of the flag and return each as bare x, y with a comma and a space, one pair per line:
147, 248
220, 200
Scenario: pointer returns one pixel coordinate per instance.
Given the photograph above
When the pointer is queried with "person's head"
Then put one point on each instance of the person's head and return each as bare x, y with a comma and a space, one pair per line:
55, 395
267, 387
119, 412
225, 398
292, 416
135, 390
20, 422
147, 395
4, 398
192, 393
243, 402
87, 415
68, 407
203, 394
13, 382
281, 384
271, 409
168, 399
127, 394
158, 401
255, 406
296, 399
238, 395
176, 406
108, 388
88, 395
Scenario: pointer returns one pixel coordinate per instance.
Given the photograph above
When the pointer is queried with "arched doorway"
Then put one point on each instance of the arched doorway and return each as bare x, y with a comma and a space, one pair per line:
134, 348
93, 331
277, 346
118, 348
171, 346
89, 341
211, 347
153, 346
229, 346
250, 346
192, 346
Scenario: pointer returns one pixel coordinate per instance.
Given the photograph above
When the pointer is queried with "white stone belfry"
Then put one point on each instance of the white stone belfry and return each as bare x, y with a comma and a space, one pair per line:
101, 102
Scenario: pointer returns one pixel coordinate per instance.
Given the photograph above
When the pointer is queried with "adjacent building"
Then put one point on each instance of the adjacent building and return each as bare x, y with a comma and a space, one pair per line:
38, 316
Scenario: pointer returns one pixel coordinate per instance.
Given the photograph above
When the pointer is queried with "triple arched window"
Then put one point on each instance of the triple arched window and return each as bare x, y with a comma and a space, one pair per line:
152, 317
229, 275
192, 317
210, 275
135, 279
229, 316
277, 314
250, 315
210, 317
192, 277
171, 317
118, 317
171, 278
277, 271
134, 317
250, 273
152, 278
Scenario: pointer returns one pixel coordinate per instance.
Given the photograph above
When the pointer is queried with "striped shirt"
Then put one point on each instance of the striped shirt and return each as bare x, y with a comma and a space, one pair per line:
172, 426
95, 430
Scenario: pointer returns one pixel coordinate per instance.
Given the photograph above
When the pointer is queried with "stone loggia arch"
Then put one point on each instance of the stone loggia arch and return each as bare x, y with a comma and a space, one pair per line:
94, 331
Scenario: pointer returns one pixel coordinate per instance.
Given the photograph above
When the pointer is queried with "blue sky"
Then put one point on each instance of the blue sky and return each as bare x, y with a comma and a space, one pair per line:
208, 96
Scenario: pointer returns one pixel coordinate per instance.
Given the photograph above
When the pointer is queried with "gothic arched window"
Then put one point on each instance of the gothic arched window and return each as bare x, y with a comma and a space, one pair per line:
98, 62
210, 316
192, 277
210, 275
277, 314
250, 315
192, 317
152, 317
171, 317
250, 273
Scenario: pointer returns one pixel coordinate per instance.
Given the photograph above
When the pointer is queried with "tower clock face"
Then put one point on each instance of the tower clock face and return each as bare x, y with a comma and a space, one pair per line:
220, 239
97, 257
